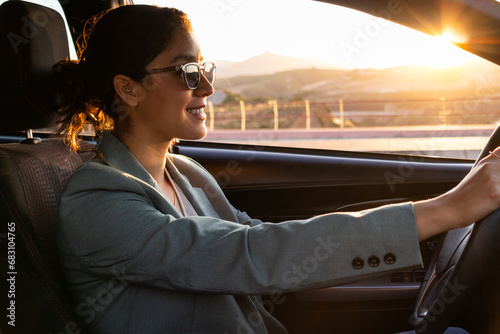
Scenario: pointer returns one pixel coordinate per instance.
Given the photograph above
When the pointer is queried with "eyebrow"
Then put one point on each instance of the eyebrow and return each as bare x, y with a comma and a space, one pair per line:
186, 57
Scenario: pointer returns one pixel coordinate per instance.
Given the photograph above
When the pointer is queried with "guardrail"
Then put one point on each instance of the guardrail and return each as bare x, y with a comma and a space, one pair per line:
343, 113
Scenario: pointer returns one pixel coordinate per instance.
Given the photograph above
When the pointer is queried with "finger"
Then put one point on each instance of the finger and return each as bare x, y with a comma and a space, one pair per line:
495, 153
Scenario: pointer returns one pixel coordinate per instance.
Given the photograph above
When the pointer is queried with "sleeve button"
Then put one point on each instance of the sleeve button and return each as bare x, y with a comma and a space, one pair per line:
358, 263
389, 258
373, 261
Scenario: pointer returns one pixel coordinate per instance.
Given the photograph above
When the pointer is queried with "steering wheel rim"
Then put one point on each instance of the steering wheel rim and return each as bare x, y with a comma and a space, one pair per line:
450, 285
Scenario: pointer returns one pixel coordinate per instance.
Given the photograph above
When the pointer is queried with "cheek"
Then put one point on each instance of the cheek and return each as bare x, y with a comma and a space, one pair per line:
155, 86
168, 105
152, 82
164, 95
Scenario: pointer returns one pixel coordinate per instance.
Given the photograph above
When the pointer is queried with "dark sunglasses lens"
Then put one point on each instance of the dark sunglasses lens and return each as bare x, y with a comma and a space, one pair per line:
210, 72
192, 74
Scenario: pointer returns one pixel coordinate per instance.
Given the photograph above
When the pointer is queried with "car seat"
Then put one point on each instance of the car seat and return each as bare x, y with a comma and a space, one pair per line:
32, 173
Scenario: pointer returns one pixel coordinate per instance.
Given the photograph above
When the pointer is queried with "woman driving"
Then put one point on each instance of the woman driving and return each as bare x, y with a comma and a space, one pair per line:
149, 243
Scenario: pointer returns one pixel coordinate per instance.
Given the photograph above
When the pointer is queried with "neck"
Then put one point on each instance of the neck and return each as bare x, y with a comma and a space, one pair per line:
150, 153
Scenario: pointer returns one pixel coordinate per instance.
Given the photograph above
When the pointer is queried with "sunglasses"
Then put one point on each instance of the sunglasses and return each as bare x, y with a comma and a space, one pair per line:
191, 72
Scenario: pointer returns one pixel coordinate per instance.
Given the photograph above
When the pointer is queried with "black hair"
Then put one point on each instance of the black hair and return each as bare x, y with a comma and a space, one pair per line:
122, 41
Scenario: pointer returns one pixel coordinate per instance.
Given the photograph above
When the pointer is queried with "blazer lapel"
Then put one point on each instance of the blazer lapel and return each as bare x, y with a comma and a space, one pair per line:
117, 155
201, 190
204, 193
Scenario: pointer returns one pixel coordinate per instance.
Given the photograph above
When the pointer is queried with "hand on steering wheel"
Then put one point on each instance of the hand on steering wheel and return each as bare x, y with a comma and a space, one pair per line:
462, 283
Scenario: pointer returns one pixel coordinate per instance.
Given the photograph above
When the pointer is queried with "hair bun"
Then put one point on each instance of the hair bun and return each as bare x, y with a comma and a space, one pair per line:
70, 84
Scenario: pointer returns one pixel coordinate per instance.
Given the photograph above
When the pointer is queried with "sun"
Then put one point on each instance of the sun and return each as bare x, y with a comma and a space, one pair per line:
442, 53
448, 37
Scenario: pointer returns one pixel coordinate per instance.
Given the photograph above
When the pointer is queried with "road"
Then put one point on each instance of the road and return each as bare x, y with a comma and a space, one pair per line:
449, 141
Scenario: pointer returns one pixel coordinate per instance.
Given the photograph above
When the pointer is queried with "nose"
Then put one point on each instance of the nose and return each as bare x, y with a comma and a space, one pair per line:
205, 88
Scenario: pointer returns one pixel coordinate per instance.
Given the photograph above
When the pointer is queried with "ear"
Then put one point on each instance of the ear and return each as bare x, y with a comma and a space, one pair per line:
124, 88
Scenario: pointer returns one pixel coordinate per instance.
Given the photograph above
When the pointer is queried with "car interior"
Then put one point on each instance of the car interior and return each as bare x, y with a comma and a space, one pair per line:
270, 183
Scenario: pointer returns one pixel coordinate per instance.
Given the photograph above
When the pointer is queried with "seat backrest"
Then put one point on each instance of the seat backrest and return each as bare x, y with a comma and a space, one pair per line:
32, 174
34, 177
31, 180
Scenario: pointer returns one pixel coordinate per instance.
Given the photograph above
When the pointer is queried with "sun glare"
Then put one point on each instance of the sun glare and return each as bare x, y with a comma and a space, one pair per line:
316, 31
446, 38
442, 53
451, 37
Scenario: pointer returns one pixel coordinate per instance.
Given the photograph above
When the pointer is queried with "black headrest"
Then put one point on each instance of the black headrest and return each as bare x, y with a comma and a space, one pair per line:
33, 39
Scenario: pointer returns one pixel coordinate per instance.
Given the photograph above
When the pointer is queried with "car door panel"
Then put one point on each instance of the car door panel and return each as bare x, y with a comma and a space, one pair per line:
276, 184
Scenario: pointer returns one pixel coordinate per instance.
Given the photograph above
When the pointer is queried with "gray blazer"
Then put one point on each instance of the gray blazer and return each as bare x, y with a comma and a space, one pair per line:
134, 264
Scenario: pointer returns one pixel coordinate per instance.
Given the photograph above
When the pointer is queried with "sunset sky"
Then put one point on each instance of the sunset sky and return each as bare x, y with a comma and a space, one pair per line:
239, 29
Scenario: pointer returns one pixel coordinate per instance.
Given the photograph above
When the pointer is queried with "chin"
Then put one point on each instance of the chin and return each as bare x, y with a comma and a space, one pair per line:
195, 135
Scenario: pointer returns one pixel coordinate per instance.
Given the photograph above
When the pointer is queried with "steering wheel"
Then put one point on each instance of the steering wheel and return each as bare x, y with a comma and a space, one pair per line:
462, 283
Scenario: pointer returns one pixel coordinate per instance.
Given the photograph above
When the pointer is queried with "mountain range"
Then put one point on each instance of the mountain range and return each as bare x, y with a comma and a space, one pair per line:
269, 76
265, 63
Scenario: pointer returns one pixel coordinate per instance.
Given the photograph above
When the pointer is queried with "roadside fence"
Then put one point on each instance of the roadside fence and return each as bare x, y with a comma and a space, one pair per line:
345, 113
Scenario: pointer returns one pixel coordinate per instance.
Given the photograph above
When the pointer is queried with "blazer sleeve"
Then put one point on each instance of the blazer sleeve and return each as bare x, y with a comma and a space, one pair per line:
122, 230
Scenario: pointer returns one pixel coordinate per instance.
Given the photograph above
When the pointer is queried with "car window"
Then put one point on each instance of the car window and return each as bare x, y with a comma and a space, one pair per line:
308, 74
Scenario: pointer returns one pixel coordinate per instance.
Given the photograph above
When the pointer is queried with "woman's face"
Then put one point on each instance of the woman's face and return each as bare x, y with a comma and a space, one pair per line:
166, 108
